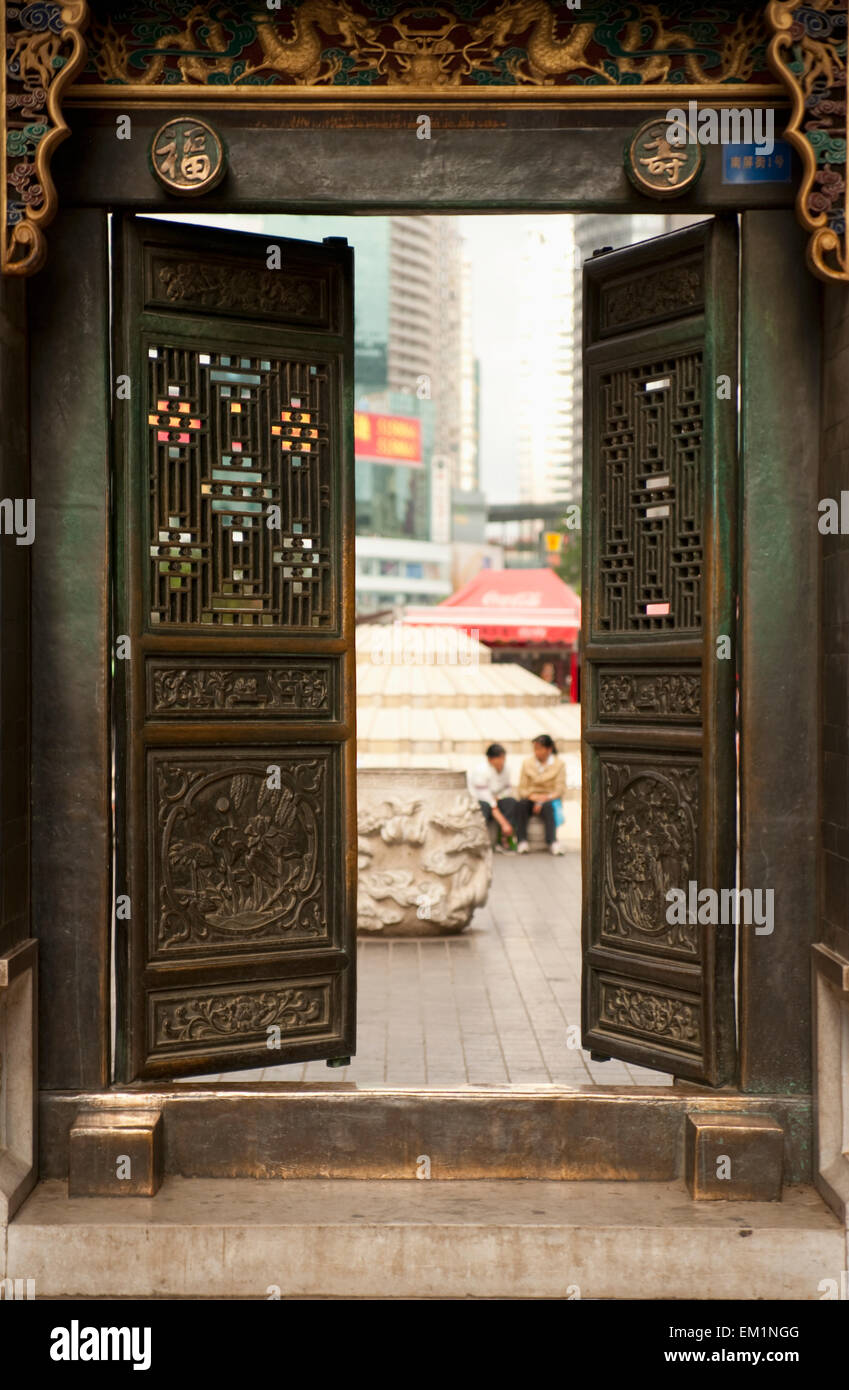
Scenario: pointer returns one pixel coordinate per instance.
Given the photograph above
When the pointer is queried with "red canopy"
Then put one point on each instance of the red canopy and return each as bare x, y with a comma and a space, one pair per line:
510, 606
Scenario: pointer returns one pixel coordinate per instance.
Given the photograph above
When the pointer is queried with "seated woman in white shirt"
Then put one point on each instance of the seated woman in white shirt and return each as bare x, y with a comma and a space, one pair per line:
488, 781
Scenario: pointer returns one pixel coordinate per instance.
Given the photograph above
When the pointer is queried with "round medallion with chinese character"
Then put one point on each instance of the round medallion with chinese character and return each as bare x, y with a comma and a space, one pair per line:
657, 164
187, 156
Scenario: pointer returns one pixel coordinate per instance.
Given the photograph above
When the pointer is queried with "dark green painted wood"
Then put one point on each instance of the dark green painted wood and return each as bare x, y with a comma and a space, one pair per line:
670, 318
532, 169
71, 841
552, 160
779, 652
14, 624
247, 325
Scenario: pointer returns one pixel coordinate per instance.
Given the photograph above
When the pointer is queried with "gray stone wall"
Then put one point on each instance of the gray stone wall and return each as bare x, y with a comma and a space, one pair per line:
14, 622
834, 478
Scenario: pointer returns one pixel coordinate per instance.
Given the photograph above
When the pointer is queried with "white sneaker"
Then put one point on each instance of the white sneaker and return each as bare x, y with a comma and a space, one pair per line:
522, 847
555, 848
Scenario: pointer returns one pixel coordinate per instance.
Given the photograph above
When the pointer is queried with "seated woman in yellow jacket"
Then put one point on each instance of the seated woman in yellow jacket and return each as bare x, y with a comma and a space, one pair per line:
542, 782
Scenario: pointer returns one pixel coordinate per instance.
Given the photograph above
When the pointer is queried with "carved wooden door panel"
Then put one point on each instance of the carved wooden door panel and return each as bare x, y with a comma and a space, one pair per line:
659, 801
236, 837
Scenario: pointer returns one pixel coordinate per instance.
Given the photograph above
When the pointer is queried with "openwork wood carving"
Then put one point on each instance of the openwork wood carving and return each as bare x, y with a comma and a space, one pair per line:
237, 445
43, 51
649, 502
345, 47
808, 51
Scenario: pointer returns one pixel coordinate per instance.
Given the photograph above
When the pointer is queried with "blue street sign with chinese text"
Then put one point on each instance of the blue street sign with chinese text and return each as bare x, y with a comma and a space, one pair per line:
745, 164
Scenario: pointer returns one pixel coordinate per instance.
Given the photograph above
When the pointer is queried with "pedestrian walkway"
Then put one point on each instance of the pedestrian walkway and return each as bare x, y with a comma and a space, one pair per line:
498, 1005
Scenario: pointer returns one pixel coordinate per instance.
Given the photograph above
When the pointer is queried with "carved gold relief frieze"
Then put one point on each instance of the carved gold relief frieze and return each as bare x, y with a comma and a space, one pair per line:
43, 51
359, 47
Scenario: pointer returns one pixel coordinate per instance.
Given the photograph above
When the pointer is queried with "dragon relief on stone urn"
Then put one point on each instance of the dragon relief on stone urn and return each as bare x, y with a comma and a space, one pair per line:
425, 859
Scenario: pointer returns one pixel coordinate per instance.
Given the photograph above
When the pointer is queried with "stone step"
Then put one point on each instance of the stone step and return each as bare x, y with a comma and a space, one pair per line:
232, 1238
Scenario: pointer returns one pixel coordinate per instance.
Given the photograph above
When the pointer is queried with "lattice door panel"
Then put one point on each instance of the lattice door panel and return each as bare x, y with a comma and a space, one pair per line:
234, 733
658, 703
233, 438
649, 502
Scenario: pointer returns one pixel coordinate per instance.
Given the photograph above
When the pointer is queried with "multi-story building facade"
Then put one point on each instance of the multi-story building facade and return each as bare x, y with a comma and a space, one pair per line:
544, 386
467, 478
412, 358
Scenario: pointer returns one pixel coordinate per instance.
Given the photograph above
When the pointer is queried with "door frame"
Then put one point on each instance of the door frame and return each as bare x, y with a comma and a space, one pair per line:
542, 165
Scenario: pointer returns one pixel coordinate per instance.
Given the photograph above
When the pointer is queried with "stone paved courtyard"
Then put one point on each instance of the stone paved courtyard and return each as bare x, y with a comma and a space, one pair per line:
492, 1007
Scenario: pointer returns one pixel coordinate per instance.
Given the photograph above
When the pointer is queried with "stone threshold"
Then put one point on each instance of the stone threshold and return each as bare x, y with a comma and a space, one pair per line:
298, 1131
327, 1238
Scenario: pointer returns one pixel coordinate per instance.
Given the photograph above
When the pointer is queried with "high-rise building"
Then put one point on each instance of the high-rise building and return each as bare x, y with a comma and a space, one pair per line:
428, 308
409, 342
544, 387
467, 478
413, 314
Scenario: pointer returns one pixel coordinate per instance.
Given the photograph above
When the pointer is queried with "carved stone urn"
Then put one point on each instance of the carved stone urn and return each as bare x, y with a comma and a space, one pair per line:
425, 859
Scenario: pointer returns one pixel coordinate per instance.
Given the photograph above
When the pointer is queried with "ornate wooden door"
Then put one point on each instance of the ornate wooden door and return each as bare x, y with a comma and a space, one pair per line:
659, 802
235, 872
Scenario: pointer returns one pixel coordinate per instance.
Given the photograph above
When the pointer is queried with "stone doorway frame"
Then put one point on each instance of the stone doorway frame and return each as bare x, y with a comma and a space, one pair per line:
545, 161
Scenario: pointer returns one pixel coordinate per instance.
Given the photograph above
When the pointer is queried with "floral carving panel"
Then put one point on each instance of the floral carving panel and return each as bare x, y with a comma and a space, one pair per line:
652, 1014
233, 289
240, 862
250, 689
650, 695
650, 818
651, 297
224, 1016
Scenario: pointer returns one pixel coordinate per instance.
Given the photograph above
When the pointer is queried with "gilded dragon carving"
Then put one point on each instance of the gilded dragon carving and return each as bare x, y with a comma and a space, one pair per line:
550, 55
338, 44
358, 47
205, 51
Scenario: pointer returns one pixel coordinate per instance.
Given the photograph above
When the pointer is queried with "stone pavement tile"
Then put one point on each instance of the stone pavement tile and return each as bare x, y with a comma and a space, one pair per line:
490, 1007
